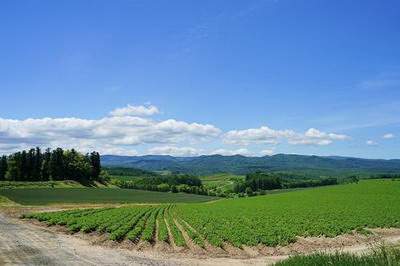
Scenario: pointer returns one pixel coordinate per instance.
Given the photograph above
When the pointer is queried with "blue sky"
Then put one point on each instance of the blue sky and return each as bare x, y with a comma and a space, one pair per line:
250, 77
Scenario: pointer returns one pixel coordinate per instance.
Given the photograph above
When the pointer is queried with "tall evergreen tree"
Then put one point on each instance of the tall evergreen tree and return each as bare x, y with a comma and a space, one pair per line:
3, 167
96, 165
23, 166
57, 167
30, 164
37, 165
14, 167
45, 167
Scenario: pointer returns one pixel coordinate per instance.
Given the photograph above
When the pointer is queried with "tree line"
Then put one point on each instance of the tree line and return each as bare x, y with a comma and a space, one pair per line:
164, 183
260, 181
57, 164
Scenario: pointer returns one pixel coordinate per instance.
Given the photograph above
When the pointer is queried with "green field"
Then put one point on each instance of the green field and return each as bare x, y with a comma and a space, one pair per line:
220, 182
269, 220
44, 184
43, 196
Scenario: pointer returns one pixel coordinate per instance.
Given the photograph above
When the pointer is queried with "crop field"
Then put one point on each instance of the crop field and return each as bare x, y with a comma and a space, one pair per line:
43, 196
268, 220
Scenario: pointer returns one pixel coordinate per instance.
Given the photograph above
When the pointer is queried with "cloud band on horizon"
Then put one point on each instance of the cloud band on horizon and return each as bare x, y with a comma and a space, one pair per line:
129, 127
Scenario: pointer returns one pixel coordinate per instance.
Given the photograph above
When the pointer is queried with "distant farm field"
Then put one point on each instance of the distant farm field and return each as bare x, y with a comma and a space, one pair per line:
43, 196
268, 220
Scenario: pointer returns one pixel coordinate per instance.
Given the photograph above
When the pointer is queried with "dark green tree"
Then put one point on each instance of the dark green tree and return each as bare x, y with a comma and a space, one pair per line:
3, 167
23, 166
95, 164
37, 165
45, 167
57, 167
14, 167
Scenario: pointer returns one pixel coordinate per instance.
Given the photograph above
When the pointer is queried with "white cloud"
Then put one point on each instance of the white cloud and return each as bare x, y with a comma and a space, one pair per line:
371, 143
260, 135
388, 136
116, 134
266, 135
268, 152
226, 152
123, 133
173, 150
131, 110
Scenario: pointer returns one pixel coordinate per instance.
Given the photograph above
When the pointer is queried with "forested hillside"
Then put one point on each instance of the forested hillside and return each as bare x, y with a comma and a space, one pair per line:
237, 164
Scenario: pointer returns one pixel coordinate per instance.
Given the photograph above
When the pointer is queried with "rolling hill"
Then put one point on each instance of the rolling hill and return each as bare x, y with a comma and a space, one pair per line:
238, 164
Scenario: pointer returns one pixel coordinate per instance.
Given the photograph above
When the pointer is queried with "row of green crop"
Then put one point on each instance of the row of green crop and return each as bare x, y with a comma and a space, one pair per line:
146, 223
268, 220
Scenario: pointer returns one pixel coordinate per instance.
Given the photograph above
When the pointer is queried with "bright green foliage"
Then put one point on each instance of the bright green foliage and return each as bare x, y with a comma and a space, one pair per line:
119, 233
162, 227
148, 231
269, 220
135, 233
179, 240
197, 239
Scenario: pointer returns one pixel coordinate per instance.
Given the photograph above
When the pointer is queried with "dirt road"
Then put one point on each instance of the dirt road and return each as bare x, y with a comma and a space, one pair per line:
22, 244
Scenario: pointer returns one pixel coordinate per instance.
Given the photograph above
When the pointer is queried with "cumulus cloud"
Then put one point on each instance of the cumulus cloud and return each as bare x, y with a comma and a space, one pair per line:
131, 110
260, 135
388, 136
115, 134
266, 135
130, 130
226, 152
173, 150
268, 152
371, 143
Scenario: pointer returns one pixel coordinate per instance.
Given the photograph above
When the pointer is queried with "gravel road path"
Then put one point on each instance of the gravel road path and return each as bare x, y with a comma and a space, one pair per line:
23, 244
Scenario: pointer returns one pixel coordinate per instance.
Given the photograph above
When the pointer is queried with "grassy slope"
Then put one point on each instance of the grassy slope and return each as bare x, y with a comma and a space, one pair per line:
43, 196
4, 201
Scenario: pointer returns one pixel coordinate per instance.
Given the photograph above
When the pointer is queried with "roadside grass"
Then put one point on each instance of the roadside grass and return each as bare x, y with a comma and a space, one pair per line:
46, 196
381, 256
5, 202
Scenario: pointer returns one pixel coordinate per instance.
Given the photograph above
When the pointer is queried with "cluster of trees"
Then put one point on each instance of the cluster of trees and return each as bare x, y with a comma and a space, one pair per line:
386, 176
58, 164
168, 183
312, 183
258, 181
261, 181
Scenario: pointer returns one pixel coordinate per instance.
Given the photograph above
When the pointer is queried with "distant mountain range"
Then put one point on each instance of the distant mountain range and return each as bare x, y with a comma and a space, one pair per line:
238, 164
